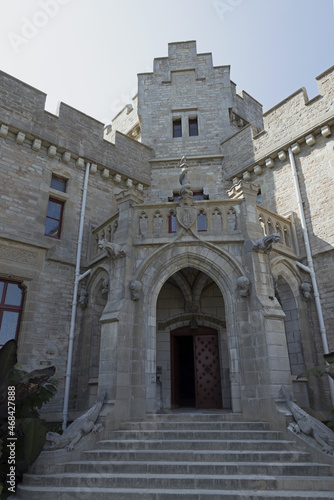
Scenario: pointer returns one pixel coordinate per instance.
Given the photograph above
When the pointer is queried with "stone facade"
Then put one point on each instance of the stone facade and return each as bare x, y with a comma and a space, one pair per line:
177, 252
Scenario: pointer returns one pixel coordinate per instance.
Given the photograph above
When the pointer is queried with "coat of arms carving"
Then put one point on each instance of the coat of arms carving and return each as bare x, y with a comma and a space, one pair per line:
186, 216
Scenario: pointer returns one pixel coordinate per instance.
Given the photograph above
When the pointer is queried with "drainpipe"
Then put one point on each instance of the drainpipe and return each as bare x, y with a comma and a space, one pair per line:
310, 267
77, 279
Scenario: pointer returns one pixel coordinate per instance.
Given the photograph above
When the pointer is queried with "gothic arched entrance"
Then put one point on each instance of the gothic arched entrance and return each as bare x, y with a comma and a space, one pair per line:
192, 353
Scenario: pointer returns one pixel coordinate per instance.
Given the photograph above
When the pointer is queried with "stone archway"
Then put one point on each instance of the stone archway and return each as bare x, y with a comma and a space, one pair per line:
154, 273
190, 306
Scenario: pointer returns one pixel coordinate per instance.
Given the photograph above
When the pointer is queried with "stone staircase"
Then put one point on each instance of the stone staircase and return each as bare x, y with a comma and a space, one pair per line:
191, 456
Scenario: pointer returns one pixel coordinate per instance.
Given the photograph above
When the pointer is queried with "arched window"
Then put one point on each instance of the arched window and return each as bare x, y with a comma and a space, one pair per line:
172, 222
201, 221
11, 305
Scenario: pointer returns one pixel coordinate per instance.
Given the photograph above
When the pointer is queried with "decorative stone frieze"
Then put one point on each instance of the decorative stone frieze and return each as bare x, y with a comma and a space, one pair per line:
3, 130
20, 138
257, 170
93, 168
246, 176
281, 155
269, 163
36, 145
80, 163
66, 157
117, 178
325, 131
105, 173
52, 151
310, 140
295, 148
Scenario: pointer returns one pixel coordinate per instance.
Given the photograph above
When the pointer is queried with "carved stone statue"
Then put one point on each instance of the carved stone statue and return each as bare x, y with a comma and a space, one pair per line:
105, 287
135, 289
186, 194
308, 425
243, 284
265, 244
77, 429
113, 249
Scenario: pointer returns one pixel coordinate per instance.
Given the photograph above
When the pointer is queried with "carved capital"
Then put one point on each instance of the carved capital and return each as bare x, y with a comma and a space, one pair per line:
83, 298
306, 290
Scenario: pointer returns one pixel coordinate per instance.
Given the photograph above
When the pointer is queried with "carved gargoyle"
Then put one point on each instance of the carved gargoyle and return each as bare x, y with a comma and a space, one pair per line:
77, 429
308, 425
265, 244
113, 249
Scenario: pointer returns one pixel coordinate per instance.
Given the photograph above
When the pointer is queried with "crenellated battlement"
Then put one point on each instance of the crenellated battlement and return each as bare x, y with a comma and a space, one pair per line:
22, 110
291, 121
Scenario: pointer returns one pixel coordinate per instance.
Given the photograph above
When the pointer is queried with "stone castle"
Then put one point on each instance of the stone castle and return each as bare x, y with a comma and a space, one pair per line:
182, 257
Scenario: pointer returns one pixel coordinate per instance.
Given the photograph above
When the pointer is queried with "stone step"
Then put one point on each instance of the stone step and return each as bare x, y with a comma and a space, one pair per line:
96, 493
183, 481
188, 467
195, 425
209, 435
206, 455
194, 444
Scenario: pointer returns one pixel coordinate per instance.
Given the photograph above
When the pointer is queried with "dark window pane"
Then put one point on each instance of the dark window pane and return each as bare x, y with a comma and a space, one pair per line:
58, 183
172, 223
13, 295
54, 209
1, 289
193, 126
177, 128
201, 222
8, 326
52, 228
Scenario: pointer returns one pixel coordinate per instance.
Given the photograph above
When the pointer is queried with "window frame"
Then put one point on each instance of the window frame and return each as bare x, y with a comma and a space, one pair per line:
11, 308
193, 121
177, 122
60, 220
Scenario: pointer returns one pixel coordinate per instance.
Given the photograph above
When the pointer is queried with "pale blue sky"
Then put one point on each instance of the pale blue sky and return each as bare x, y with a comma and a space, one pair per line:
87, 53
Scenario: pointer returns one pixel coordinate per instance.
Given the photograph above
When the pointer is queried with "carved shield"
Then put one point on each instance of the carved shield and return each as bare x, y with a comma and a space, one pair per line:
186, 216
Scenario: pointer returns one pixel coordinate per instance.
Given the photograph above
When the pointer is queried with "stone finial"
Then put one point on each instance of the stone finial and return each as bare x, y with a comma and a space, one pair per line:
306, 289
265, 244
135, 290
243, 285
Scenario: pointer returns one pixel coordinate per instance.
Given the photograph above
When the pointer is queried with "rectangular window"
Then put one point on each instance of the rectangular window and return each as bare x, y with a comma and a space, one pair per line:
177, 128
201, 221
58, 183
172, 223
193, 126
54, 217
11, 305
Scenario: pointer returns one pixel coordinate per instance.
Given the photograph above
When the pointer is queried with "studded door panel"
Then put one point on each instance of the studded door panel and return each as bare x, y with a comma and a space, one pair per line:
208, 387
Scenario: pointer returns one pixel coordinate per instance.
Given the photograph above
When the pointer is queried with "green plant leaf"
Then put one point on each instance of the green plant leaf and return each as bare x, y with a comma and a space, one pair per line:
8, 360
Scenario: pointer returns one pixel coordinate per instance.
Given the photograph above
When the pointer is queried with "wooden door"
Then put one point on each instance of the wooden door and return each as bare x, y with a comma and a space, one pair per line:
196, 351
207, 372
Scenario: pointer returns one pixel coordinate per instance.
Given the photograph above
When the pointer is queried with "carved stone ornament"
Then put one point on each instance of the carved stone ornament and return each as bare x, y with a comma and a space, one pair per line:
243, 285
74, 432
306, 289
265, 244
308, 425
83, 298
135, 289
186, 216
113, 249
